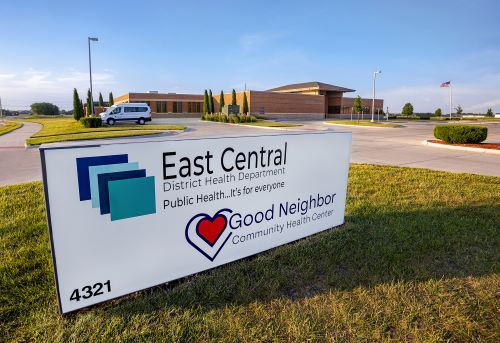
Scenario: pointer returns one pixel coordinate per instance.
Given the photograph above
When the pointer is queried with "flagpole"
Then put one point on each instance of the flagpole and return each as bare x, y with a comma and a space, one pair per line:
451, 106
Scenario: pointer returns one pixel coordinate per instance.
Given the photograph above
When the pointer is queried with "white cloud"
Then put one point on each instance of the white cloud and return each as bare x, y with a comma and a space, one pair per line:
18, 91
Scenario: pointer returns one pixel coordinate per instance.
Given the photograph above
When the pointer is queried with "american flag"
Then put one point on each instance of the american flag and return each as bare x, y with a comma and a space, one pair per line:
445, 84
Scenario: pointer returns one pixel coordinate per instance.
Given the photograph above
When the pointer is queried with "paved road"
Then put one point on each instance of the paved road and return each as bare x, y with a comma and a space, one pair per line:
390, 146
403, 147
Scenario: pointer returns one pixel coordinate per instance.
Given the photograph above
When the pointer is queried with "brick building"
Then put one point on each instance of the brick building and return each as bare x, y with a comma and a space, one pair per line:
311, 100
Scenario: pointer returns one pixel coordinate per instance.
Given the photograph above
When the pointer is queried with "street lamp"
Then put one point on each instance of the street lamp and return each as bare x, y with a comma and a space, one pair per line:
93, 39
373, 100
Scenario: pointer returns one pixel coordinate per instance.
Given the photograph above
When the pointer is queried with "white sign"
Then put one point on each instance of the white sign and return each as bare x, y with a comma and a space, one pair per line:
125, 217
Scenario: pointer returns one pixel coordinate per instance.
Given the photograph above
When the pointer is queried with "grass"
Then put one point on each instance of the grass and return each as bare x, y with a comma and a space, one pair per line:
417, 260
8, 126
362, 123
68, 129
266, 123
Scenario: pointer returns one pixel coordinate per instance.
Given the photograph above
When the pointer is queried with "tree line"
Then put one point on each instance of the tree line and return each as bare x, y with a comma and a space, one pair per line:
78, 104
209, 106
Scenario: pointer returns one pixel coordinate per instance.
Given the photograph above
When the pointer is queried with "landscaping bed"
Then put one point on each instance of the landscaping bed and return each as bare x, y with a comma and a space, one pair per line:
493, 146
361, 123
8, 126
268, 123
416, 260
68, 129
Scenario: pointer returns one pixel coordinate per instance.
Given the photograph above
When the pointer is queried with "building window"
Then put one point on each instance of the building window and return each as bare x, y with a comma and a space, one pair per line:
161, 107
177, 107
194, 107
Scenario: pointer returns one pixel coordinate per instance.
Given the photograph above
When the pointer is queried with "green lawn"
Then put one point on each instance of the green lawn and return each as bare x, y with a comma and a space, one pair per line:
266, 123
8, 126
362, 123
417, 260
68, 129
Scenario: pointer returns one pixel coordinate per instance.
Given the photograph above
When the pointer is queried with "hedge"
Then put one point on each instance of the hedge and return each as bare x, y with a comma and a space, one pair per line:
224, 118
91, 121
461, 134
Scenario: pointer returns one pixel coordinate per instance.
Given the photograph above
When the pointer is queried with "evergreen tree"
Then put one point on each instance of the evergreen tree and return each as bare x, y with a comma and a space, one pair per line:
459, 110
438, 112
245, 103
221, 101
205, 102
210, 102
489, 113
407, 109
111, 100
89, 104
101, 100
357, 106
233, 99
77, 109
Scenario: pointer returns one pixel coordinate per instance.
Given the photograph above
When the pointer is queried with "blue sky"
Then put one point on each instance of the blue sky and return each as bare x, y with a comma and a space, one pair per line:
187, 46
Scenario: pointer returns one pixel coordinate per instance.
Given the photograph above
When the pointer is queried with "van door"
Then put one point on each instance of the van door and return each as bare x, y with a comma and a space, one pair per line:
129, 113
116, 113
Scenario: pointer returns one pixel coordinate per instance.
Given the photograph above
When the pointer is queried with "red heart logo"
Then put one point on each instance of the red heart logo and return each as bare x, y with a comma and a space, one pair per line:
210, 229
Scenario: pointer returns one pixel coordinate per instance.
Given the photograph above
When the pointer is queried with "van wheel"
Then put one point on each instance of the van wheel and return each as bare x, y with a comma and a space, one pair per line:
141, 121
111, 121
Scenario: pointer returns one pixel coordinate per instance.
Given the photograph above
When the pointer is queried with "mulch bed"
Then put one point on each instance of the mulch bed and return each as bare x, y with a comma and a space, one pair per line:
494, 146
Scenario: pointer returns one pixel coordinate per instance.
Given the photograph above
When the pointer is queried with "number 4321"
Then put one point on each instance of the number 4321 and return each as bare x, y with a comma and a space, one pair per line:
87, 292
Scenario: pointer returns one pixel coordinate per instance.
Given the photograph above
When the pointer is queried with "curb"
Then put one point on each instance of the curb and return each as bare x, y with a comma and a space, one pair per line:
463, 148
282, 128
26, 146
368, 127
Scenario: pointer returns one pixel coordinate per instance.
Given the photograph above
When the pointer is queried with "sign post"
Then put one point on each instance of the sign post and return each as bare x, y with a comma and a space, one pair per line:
126, 217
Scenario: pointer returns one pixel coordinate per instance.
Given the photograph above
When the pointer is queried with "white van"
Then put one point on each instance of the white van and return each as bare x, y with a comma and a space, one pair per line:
138, 112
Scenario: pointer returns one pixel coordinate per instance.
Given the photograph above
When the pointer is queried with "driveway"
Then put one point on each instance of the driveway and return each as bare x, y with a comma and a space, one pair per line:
389, 146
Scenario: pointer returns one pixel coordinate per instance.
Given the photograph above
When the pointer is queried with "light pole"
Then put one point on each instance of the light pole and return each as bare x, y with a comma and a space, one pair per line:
89, 39
373, 100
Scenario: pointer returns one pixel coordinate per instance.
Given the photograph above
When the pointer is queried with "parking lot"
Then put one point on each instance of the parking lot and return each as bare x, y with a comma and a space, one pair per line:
389, 146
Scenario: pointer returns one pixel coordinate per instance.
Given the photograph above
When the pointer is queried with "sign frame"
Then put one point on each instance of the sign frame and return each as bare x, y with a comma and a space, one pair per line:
59, 146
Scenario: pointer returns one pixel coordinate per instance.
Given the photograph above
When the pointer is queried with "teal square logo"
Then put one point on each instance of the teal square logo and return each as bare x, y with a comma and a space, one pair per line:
132, 197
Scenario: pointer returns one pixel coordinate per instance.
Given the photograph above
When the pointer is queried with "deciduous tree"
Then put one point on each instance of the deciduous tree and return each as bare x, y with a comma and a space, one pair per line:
407, 109
438, 112
44, 108
357, 106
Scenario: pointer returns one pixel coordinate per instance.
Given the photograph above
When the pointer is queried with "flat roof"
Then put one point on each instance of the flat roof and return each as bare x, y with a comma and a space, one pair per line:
314, 85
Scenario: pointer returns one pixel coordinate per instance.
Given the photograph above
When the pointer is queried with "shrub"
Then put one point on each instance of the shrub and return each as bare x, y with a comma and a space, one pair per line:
91, 121
460, 134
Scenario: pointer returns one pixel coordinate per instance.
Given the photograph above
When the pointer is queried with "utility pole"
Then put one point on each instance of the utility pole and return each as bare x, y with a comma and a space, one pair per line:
373, 100
89, 39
